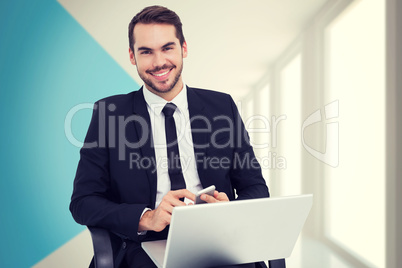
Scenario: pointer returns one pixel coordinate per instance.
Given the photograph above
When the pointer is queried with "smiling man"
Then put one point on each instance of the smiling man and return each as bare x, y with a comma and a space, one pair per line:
151, 150
159, 64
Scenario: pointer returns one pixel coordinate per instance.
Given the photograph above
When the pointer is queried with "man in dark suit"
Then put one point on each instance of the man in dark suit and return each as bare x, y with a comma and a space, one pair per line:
130, 175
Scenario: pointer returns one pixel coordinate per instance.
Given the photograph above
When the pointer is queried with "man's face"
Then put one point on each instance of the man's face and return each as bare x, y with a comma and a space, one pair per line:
158, 57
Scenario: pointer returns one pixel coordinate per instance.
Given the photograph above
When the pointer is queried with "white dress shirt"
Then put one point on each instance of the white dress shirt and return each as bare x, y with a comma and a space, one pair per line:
181, 116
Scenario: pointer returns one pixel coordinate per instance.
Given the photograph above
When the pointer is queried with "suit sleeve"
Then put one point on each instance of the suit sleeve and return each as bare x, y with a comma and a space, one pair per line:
93, 202
246, 174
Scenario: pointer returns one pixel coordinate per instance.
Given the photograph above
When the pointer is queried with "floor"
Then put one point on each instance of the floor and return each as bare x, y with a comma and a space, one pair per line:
310, 253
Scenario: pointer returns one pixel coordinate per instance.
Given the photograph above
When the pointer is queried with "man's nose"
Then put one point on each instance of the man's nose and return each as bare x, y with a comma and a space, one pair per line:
159, 60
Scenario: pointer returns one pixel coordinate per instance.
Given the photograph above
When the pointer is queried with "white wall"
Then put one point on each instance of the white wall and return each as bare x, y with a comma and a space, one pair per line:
343, 79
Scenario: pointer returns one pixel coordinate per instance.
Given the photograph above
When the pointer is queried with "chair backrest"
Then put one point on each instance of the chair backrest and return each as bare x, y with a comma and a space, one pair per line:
103, 252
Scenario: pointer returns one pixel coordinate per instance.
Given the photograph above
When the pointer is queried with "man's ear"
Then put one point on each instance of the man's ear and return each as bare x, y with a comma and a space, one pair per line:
132, 58
184, 48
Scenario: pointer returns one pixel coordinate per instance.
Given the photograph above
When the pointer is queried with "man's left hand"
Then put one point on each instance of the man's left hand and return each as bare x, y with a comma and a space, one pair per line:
218, 197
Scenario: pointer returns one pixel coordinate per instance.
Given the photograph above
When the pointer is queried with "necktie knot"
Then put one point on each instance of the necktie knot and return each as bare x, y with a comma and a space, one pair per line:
169, 109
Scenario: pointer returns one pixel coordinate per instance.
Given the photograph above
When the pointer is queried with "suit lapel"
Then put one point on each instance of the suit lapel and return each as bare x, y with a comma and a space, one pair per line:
147, 149
198, 117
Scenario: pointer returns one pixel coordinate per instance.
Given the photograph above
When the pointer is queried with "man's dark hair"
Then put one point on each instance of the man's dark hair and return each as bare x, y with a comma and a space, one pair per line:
156, 14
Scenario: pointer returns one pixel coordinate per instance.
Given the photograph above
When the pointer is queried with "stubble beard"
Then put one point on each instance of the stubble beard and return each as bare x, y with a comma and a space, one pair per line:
153, 86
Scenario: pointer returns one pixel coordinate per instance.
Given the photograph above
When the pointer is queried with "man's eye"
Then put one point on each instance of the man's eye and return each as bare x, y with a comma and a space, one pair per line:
167, 48
145, 52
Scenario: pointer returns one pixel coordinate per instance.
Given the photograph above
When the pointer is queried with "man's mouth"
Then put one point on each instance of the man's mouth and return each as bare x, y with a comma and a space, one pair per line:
161, 74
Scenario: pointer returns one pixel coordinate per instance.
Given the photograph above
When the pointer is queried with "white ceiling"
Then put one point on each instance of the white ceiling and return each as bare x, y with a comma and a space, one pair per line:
231, 43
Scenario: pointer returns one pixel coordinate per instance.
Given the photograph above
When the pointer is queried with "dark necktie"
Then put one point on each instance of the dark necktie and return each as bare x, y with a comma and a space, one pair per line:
174, 166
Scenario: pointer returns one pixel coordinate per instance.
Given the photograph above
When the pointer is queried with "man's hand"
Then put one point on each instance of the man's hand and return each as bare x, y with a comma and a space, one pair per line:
159, 218
218, 197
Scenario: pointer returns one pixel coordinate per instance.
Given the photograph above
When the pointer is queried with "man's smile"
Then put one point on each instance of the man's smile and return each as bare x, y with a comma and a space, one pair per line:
162, 74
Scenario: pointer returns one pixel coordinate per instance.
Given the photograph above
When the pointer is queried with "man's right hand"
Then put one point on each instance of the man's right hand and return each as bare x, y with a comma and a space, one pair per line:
159, 218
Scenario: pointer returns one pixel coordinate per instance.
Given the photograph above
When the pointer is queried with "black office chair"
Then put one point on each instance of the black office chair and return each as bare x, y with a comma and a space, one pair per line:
103, 252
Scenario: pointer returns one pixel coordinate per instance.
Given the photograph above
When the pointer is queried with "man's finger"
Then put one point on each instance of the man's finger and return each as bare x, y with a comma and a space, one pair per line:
222, 196
218, 197
183, 193
208, 198
172, 200
166, 206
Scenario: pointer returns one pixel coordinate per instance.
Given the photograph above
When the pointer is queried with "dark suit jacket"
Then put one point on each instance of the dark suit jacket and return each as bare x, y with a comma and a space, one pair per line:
111, 190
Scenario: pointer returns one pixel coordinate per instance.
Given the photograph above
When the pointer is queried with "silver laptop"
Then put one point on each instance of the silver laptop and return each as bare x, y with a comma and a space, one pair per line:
234, 232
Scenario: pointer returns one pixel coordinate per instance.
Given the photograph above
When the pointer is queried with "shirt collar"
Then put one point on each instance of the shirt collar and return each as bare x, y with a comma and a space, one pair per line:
156, 103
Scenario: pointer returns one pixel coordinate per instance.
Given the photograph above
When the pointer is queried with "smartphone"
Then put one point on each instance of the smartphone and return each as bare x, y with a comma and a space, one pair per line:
209, 191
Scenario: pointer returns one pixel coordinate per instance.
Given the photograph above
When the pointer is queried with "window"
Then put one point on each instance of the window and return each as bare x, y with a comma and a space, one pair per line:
289, 131
263, 135
355, 76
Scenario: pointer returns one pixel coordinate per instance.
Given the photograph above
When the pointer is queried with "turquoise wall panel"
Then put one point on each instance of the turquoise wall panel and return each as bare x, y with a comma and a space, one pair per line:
48, 65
